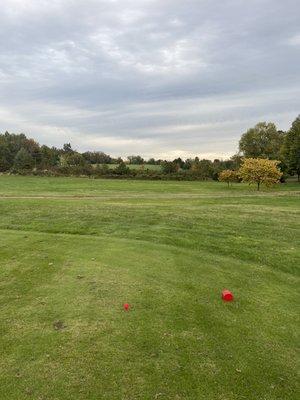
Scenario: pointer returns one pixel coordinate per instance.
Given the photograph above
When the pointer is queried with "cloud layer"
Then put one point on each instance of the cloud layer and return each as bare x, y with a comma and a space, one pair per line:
159, 78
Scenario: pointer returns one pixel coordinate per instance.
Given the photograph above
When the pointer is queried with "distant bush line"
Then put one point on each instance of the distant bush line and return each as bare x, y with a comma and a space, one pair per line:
96, 174
24, 156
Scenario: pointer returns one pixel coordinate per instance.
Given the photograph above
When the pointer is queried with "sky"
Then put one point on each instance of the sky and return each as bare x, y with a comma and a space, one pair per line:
162, 78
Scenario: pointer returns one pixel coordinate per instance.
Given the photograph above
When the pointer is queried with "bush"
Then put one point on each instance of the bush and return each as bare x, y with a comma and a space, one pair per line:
121, 169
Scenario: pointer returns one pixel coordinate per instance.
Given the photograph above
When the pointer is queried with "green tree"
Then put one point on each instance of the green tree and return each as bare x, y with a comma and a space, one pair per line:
179, 162
97, 157
34, 150
260, 170
262, 141
121, 169
291, 149
23, 160
137, 160
235, 161
202, 168
4, 158
72, 160
151, 161
169, 167
67, 148
188, 164
101, 169
11, 143
49, 157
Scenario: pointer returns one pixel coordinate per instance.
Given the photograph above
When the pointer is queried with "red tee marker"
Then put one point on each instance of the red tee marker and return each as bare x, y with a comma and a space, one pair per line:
227, 295
126, 306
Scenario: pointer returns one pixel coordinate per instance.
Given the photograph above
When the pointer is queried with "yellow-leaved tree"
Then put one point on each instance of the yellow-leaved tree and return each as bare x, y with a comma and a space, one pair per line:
260, 171
229, 176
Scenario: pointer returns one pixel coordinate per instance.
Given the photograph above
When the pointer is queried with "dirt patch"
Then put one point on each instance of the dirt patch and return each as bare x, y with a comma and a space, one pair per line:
59, 325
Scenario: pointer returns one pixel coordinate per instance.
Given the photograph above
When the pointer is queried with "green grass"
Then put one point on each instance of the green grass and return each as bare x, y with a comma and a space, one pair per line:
74, 250
150, 167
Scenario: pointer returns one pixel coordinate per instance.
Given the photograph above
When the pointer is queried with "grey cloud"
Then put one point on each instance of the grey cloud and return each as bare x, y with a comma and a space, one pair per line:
184, 77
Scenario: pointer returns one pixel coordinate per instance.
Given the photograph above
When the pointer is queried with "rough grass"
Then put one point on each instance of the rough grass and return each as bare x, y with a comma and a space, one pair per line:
72, 251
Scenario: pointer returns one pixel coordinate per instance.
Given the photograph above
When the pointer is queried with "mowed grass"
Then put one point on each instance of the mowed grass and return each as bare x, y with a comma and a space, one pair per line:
149, 167
73, 250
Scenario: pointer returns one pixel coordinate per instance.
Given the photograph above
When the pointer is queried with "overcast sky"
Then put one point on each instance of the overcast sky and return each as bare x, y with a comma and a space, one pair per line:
161, 78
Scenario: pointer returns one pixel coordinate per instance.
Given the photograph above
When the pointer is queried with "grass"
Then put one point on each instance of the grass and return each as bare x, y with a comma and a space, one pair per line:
73, 250
150, 167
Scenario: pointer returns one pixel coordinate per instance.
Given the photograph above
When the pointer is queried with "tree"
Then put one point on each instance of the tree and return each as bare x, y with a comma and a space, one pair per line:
23, 160
260, 170
97, 157
121, 169
151, 161
262, 141
291, 149
137, 160
229, 176
169, 167
179, 162
187, 164
49, 157
11, 143
235, 161
101, 169
74, 159
202, 168
4, 158
67, 148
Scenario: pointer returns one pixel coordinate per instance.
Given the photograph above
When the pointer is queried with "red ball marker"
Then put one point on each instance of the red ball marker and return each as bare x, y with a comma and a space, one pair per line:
126, 306
227, 295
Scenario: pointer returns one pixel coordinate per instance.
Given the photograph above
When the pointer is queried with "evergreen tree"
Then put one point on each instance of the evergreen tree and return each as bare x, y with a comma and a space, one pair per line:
291, 149
23, 160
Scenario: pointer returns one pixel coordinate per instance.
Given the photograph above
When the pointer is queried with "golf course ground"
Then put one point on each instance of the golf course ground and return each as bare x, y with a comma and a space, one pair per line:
74, 250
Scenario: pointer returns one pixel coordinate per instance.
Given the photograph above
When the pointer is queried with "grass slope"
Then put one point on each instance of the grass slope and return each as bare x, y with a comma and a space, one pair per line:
72, 251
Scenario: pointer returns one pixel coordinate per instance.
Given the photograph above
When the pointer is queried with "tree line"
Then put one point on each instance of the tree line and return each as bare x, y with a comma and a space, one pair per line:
22, 155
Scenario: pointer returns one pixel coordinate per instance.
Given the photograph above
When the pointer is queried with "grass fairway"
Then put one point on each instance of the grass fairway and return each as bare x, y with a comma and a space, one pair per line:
73, 250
